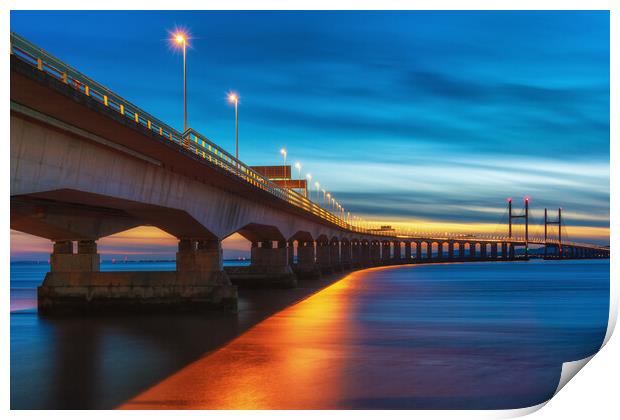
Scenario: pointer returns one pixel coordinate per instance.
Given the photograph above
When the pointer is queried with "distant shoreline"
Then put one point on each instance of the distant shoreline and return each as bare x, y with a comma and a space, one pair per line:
25, 262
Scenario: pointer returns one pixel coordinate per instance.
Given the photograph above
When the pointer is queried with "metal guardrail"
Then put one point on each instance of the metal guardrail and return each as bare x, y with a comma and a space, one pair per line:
191, 140
211, 153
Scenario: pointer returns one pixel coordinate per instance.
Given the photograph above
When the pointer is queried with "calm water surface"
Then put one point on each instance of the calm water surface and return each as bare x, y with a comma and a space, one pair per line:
474, 335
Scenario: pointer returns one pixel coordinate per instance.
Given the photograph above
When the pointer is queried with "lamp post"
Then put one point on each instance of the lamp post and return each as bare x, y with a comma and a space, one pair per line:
233, 98
309, 178
318, 195
298, 166
283, 153
181, 39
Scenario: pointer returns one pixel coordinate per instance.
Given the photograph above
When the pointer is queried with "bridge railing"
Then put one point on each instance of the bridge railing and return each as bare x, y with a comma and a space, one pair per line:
190, 140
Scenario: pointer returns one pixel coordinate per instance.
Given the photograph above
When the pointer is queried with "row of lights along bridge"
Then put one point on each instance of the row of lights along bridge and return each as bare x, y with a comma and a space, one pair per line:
181, 39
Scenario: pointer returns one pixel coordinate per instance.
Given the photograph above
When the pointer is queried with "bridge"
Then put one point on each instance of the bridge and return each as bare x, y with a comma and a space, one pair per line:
86, 164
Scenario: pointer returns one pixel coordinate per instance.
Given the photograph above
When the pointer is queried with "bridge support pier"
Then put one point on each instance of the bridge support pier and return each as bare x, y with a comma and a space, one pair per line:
75, 283
356, 253
494, 251
511, 251
450, 250
483, 251
472, 251
408, 252
397, 253
334, 256
461, 250
504, 250
375, 253
323, 257
366, 260
269, 268
306, 267
290, 253
440, 250
345, 254
385, 252
418, 251
429, 251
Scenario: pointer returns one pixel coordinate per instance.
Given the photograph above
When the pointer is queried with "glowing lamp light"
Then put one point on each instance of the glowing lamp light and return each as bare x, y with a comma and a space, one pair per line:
180, 38
233, 98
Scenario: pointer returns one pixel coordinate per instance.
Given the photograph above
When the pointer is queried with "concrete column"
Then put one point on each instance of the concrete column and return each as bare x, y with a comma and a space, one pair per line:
385, 252
266, 255
64, 260
345, 254
483, 251
334, 255
291, 253
494, 251
504, 250
323, 257
408, 252
270, 267
511, 251
356, 253
306, 266
450, 250
462, 250
418, 251
397, 252
366, 257
440, 250
375, 252
429, 250
472, 250
199, 256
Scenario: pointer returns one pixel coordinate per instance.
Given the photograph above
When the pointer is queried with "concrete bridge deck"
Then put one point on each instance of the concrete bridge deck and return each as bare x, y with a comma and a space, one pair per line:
86, 164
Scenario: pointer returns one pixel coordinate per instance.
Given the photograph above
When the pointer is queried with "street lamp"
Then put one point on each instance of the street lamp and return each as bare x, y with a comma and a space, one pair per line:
318, 194
181, 39
309, 183
283, 153
298, 166
233, 98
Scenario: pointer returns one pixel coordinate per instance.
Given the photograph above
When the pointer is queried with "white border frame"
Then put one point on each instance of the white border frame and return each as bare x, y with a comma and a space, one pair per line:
592, 395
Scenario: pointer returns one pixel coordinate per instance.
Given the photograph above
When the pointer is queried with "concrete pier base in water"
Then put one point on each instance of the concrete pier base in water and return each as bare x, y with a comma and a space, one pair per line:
135, 291
277, 277
269, 268
75, 283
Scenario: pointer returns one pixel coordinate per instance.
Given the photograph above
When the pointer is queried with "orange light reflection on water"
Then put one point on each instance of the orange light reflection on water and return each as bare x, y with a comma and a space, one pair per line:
289, 361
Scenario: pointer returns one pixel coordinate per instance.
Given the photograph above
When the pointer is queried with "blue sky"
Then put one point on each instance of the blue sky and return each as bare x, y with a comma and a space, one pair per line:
405, 116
